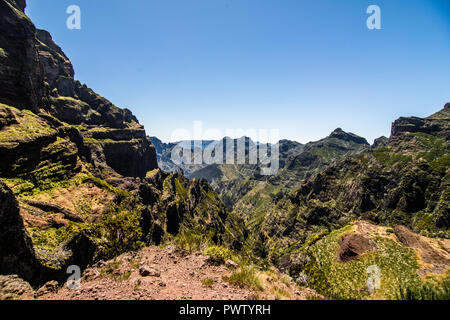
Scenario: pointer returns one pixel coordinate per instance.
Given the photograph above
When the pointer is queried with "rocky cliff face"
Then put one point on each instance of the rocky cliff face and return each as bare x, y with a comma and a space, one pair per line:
113, 135
175, 204
83, 173
16, 249
405, 182
405, 131
315, 156
22, 81
38, 76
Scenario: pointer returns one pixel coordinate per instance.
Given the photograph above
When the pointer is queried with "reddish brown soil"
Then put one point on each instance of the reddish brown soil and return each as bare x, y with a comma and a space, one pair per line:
437, 258
180, 278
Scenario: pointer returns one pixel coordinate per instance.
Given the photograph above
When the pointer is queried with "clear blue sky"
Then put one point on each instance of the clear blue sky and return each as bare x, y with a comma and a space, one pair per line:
305, 67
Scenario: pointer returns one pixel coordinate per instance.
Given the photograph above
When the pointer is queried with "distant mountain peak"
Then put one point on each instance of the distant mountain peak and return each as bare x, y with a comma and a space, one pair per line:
380, 142
338, 130
347, 136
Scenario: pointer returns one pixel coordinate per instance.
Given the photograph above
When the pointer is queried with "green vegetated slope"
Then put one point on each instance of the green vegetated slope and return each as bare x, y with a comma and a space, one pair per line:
406, 182
296, 166
80, 174
241, 186
79, 182
401, 270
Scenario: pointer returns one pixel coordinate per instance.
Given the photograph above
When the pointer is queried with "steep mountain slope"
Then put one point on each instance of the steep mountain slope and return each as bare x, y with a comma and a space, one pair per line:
239, 184
22, 82
84, 175
406, 182
80, 185
311, 159
317, 155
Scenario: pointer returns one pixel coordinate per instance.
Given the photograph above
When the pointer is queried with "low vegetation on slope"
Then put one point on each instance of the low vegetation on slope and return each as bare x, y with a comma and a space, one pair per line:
405, 182
341, 264
349, 280
156, 273
80, 173
80, 184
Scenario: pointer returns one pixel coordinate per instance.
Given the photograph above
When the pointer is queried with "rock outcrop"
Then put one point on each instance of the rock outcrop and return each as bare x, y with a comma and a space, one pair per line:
84, 170
16, 249
354, 245
404, 182
23, 79
380, 142
176, 205
38, 76
12, 286
347, 136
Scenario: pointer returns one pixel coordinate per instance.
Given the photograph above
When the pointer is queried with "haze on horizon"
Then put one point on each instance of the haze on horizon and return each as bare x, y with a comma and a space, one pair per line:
303, 67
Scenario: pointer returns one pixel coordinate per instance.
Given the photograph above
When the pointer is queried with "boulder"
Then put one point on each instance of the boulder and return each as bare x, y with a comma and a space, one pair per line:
354, 245
149, 271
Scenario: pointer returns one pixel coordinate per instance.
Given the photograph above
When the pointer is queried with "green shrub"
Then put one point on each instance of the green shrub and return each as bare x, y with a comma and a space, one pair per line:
112, 271
110, 268
245, 277
122, 231
99, 183
208, 282
52, 237
190, 240
426, 291
280, 293
218, 254
180, 190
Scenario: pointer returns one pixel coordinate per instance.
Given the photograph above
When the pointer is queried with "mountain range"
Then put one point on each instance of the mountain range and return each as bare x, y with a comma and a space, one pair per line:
81, 183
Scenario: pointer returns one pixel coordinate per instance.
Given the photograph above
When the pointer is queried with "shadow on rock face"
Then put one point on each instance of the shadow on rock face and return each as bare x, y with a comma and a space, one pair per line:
354, 245
16, 249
